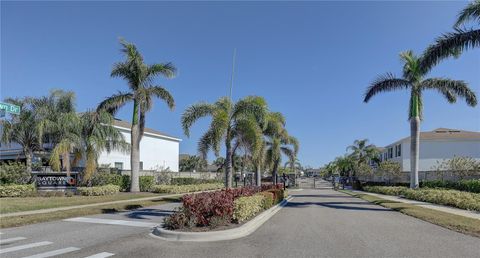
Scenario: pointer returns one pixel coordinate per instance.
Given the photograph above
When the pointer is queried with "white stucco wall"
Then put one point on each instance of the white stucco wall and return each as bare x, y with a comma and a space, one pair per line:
156, 152
432, 151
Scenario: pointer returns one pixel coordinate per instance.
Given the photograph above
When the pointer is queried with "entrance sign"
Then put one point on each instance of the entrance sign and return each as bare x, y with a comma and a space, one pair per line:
10, 108
58, 181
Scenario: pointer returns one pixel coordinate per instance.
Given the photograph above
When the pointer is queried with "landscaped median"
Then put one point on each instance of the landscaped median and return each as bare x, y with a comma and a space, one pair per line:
35, 207
222, 215
451, 221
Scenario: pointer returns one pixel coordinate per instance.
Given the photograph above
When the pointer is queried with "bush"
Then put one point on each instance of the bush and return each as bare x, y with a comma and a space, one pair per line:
146, 183
98, 190
267, 200
180, 219
17, 190
278, 195
103, 178
14, 173
192, 181
247, 207
175, 189
454, 198
472, 185
205, 206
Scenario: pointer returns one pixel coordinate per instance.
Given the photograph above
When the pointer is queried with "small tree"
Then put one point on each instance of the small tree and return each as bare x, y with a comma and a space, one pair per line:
461, 166
390, 170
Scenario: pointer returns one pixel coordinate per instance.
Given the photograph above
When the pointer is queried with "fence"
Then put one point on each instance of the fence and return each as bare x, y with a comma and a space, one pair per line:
404, 177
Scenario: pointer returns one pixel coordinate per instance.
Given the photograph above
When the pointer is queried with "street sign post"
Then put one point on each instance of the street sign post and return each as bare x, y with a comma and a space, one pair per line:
10, 108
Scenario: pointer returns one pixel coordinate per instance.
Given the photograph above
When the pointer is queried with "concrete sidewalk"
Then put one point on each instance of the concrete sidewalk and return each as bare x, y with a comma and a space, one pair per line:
451, 210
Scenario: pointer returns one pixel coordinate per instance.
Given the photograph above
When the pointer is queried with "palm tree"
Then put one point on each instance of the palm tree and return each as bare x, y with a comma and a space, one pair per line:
219, 163
278, 142
21, 129
140, 77
61, 125
229, 122
362, 151
413, 80
452, 44
97, 135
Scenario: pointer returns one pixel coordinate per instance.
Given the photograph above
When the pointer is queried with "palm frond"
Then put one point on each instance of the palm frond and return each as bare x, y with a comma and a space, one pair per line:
448, 45
451, 89
385, 83
470, 13
115, 102
167, 69
195, 112
162, 94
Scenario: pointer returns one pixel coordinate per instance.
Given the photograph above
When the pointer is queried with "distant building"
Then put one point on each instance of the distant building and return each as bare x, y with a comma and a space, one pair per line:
158, 151
436, 145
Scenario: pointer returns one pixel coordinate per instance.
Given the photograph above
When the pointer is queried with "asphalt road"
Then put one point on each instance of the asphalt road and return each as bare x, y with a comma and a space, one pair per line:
316, 223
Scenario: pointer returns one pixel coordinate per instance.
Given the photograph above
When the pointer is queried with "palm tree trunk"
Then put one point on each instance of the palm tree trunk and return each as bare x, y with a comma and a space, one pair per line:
258, 176
28, 160
274, 173
66, 162
135, 151
228, 164
414, 151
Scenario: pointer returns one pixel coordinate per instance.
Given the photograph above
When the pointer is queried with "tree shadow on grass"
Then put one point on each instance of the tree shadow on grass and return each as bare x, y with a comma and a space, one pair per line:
337, 205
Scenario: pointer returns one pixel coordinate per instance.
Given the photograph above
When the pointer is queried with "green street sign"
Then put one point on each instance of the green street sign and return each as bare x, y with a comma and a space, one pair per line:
10, 108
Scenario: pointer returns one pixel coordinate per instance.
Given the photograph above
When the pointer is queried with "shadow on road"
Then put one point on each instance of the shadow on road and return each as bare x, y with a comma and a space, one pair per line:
336, 205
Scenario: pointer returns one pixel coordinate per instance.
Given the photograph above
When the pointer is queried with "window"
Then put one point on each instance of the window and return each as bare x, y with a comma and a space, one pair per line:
390, 152
385, 156
141, 165
399, 150
119, 165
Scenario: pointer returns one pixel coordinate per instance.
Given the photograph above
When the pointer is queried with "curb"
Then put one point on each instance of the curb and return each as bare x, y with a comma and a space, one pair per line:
229, 234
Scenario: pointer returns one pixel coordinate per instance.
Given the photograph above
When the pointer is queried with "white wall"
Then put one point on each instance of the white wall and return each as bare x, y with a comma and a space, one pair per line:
432, 151
155, 153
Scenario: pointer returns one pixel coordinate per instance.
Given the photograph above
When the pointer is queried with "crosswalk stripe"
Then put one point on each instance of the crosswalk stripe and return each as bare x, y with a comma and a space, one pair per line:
21, 247
100, 255
54, 252
11, 240
113, 222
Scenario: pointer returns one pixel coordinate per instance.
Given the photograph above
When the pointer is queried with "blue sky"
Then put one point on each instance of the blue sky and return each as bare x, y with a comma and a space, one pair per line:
311, 60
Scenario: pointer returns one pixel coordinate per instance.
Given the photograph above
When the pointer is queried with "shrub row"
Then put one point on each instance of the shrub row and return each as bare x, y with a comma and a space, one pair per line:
454, 198
174, 189
122, 181
14, 173
98, 190
17, 190
192, 181
211, 209
246, 207
472, 185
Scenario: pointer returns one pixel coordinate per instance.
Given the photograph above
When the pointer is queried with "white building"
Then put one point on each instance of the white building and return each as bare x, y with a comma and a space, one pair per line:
158, 151
435, 146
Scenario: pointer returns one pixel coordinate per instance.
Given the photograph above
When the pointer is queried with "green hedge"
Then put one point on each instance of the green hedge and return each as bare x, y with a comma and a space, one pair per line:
472, 185
192, 181
14, 173
184, 188
146, 183
99, 190
267, 199
17, 190
454, 198
247, 207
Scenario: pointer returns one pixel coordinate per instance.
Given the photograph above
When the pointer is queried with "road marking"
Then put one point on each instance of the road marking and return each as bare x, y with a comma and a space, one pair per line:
21, 247
113, 222
11, 240
101, 255
54, 252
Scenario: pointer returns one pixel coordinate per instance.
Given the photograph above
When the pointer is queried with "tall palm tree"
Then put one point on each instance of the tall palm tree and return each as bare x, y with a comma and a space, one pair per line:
61, 125
21, 129
453, 43
362, 152
140, 78
413, 80
98, 135
278, 142
229, 122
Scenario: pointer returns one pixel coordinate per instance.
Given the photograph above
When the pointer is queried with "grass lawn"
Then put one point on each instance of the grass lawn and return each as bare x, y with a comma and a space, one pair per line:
8, 205
454, 222
43, 217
